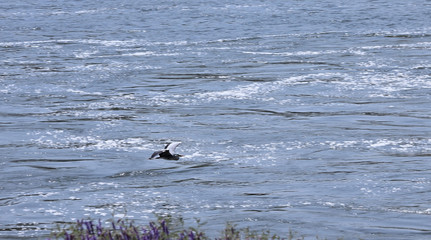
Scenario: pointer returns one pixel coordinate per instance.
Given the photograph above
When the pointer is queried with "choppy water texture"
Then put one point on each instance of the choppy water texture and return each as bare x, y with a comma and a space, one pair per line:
311, 116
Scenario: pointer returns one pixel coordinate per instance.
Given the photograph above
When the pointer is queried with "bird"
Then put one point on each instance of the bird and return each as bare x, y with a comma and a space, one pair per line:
168, 152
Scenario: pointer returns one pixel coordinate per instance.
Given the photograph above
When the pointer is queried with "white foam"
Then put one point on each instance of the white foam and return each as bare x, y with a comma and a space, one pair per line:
425, 45
424, 212
384, 143
85, 54
129, 43
261, 90
194, 155
385, 84
92, 11
59, 139
137, 54
149, 53
372, 64
82, 92
341, 144
422, 66
34, 43
297, 53
54, 212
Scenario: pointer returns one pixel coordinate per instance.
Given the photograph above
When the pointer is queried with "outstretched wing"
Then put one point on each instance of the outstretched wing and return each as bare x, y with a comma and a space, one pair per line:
155, 154
171, 147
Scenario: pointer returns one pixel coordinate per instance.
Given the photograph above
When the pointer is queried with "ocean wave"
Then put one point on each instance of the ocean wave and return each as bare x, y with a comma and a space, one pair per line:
60, 139
263, 90
387, 85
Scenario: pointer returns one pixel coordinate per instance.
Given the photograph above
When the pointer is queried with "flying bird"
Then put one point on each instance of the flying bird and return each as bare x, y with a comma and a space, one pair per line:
168, 153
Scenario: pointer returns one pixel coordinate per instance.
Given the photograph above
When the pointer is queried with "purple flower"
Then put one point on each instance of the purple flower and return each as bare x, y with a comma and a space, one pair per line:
125, 235
68, 237
191, 235
154, 231
182, 236
165, 227
136, 232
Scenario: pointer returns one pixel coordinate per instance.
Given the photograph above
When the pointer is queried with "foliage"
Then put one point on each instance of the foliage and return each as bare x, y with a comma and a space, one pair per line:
163, 229
123, 230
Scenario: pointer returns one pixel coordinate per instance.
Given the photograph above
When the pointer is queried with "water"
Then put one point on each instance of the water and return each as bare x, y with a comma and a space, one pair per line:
310, 116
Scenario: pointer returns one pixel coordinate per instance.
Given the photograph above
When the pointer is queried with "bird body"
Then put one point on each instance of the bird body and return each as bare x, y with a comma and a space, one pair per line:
167, 153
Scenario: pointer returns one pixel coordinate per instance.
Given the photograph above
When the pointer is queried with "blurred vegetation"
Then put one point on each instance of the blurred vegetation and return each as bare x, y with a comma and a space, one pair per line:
162, 229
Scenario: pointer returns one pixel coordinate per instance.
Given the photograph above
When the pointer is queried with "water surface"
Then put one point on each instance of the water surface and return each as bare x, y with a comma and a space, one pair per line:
309, 116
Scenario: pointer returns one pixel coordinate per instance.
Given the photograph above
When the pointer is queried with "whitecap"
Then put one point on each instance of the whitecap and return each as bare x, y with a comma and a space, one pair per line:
261, 90
149, 53
54, 212
85, 54
383, 143
80, 92
297, 53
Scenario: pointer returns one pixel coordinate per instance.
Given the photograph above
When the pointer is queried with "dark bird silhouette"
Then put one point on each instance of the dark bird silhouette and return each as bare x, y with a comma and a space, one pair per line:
167, 153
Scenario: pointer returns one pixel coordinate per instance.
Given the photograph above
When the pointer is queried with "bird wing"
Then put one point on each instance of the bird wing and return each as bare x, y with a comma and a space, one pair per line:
171, 147
155, 154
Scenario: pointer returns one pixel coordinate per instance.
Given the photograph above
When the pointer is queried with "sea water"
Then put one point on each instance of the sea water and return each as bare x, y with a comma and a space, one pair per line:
305, 116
